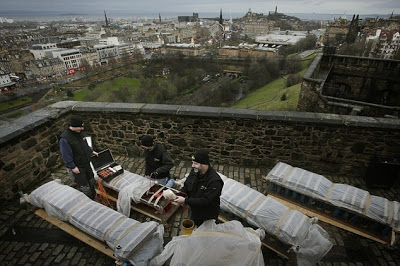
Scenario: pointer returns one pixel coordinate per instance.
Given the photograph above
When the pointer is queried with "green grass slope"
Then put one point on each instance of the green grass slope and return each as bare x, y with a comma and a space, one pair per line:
269, 97
108, 87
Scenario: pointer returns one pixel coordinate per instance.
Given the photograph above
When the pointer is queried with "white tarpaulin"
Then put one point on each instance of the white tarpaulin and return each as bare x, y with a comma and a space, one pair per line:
309, 240
341, 195
129, 186
129, 239
215, 244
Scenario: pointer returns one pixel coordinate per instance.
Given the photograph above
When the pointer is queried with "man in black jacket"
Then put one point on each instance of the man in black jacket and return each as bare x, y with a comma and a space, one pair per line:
202, 189
76, 154
158, 162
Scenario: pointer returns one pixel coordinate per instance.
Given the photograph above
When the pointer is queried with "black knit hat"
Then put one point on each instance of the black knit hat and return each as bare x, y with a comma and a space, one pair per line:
201, 156
147, 141
76, 121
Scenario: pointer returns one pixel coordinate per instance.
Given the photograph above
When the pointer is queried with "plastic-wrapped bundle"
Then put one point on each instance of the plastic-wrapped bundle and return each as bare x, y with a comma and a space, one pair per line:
309, 240
349, 197
67, 198
128, 238
298, 179
130, 186
215, 244
128, 179
383, 210
340, 195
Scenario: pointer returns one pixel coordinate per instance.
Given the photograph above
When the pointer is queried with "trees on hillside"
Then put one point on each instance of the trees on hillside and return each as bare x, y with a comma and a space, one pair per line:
153, 91
262, 72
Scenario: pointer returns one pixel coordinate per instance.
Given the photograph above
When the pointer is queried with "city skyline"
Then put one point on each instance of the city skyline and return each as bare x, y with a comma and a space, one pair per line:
179, 6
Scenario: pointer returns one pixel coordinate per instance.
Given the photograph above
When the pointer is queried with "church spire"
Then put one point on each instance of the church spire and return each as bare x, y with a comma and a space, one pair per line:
221, 21
107, 25
105, 17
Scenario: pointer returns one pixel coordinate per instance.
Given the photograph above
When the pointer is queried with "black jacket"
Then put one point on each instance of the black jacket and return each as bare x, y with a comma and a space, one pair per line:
158, 160
81, 152
203, 195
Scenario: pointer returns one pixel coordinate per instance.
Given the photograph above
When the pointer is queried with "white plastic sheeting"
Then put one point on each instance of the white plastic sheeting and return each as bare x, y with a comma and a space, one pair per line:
130, 240
341, 195
309, 240
130, 187
215, 244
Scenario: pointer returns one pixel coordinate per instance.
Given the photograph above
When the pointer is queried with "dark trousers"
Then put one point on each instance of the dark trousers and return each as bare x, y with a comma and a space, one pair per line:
85, 181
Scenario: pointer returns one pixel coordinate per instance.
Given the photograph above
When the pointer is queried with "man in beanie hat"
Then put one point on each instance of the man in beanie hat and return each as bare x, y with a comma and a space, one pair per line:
76, 154
158, 162
202, 189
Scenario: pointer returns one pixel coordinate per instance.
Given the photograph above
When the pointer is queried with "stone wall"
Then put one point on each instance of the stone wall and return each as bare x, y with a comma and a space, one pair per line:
322, 143
340, 84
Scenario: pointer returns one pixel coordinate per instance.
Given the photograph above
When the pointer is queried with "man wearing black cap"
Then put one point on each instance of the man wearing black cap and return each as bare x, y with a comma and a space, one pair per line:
76, 154
158, 161
202, 189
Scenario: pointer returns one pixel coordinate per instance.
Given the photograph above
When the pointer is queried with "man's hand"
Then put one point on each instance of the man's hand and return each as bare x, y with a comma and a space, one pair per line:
154, 174
75, 170
179, 200
95, 153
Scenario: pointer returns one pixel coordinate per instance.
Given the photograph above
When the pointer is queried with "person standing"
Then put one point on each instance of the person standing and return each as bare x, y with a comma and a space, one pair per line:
202, 189
158, 162
76, 154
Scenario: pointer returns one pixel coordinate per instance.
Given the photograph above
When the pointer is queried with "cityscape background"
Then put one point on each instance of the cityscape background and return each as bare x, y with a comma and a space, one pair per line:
314, 84
92, 16
236, 8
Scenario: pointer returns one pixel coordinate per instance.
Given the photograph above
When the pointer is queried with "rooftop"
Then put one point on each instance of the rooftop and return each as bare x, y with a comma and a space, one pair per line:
27, 239
243, 144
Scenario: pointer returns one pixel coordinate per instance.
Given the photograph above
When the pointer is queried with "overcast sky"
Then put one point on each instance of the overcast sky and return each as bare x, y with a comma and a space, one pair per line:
190, 6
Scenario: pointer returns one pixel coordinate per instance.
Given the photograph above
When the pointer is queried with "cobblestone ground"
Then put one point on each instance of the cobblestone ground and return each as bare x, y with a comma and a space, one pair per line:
26, 239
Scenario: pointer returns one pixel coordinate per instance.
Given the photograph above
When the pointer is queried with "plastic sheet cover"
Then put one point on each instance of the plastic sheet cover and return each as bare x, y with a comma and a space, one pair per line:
130, 187
214, 244
341, 195
288, 225
130, 240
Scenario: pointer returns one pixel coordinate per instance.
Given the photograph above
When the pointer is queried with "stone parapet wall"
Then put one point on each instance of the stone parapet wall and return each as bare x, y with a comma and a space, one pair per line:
341, 84
323, 143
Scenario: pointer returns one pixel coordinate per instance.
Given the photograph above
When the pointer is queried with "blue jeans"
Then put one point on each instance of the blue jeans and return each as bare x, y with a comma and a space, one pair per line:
166, 182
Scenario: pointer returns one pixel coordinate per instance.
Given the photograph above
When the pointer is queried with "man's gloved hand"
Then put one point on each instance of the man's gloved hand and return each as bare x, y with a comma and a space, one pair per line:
154, 174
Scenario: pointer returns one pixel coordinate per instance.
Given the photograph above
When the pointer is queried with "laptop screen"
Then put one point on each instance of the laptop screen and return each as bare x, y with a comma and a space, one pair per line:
104, 159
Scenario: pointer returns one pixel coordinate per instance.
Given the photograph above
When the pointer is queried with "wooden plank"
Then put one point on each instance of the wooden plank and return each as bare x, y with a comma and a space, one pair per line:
327, 219
75, 232
171, 211
276, 246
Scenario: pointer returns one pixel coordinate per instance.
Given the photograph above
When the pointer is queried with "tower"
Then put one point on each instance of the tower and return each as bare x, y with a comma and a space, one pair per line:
107, 25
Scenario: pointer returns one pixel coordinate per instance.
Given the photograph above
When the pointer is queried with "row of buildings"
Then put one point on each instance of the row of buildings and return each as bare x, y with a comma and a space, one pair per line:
381, 37
47, 51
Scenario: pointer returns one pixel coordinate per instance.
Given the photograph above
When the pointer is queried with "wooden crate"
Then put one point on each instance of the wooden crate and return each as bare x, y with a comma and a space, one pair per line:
152, 204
